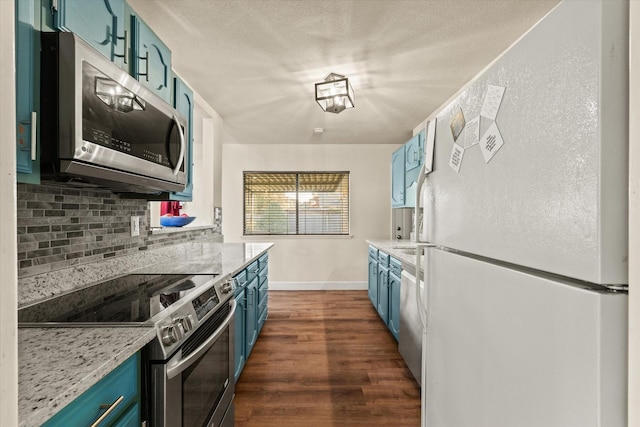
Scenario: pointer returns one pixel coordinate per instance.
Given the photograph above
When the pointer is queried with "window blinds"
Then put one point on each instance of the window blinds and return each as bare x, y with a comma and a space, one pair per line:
296, 203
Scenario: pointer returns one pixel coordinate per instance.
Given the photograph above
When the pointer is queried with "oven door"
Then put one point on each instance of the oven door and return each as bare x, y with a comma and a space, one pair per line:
195, 387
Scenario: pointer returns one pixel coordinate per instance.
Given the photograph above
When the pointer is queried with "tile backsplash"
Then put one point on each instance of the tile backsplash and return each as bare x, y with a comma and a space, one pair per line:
60, 227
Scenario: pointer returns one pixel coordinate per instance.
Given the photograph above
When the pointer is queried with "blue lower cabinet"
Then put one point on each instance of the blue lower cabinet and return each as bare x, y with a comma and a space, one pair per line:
251, 297
383, 293
118, 392
384, 288
251, 293
131, 418
394, 305
373, 276
240, 334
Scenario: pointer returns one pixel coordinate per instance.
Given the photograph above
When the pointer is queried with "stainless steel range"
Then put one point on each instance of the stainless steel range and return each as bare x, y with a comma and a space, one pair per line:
189, 368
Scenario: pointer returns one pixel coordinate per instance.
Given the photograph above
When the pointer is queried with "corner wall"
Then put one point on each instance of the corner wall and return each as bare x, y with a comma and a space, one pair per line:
9, 277
308, 261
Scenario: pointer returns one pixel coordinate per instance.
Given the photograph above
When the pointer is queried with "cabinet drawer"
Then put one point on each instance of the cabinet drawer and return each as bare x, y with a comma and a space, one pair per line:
241, 278
263, 261
131, 418
263, 277
264, 296
263, 316
383, 259
395, 266
123, 381
373, 252
252, 270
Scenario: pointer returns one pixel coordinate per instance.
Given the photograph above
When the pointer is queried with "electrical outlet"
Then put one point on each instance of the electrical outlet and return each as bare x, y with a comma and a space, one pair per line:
135, 226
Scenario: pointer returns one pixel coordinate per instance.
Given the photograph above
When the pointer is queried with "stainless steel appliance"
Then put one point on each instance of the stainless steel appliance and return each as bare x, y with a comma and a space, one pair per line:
189, 366
102, 127
410, 337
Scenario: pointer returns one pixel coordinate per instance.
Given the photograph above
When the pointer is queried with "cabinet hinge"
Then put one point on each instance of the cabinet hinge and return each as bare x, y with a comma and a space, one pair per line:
54, 6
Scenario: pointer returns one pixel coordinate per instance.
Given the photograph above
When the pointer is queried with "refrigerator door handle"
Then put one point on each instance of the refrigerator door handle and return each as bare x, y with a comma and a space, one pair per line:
421, 299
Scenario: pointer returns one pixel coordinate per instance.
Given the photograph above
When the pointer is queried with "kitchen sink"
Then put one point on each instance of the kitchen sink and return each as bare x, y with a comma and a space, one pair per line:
407, 248
408, 251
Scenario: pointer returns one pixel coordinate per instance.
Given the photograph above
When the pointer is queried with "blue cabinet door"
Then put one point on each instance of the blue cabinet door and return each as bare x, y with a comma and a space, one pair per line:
373, 280
394, 305
183, 102
27, 44
101, 23
397, 178
383, 293
123, 382
151, 59
240, 334
131, 418
251, 297
414, 154
413, 157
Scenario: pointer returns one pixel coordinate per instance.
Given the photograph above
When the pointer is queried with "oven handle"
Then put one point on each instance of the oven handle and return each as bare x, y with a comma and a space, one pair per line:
176, 368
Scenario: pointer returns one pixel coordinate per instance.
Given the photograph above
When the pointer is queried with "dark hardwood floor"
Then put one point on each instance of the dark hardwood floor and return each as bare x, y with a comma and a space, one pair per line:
324, 358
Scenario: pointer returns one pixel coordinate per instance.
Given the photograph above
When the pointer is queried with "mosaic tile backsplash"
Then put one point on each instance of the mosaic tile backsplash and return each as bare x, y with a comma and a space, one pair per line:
60, 227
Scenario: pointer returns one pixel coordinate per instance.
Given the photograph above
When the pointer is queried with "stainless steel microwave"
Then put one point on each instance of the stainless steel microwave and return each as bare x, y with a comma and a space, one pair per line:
101, 127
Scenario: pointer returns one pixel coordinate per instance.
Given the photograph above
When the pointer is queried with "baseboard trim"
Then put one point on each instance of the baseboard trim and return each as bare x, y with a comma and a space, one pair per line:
317, 286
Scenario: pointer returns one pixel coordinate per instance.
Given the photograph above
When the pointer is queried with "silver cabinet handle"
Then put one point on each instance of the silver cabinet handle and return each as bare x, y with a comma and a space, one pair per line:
124, 50
126, 43
182, 144
144, 58
34, 130
109, 409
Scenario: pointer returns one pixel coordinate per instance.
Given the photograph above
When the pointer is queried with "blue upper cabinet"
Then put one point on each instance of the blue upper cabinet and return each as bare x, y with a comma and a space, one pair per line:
414, 150
27, 161
405, 167
101, 23
397, 178
183, 102
151, 59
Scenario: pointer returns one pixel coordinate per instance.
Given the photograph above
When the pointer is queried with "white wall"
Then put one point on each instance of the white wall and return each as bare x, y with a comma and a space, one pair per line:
8, 257
319, 262
634, 214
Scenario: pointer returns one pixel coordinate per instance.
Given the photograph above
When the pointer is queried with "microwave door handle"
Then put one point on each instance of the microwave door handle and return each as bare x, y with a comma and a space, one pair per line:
173, 369
182, 144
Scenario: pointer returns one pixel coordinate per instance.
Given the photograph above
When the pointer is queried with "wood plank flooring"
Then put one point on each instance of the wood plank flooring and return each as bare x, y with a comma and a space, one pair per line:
324, 358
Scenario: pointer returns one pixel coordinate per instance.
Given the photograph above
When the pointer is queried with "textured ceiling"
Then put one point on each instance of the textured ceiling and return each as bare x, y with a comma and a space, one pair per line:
255, 62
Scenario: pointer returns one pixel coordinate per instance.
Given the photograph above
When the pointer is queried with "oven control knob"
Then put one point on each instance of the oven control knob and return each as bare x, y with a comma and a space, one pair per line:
226, 287
169, 335
186, 322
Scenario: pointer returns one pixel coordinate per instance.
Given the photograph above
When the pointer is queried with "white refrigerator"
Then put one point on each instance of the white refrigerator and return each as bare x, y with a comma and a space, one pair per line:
526, 268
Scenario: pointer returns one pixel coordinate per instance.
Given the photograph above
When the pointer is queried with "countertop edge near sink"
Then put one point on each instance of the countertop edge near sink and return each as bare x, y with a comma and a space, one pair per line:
395, 249
56, 365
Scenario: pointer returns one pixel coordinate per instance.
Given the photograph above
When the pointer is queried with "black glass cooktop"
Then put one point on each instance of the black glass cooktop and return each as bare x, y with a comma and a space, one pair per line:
131, 300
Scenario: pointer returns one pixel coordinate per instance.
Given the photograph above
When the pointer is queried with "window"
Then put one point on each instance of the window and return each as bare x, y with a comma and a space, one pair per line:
296, 203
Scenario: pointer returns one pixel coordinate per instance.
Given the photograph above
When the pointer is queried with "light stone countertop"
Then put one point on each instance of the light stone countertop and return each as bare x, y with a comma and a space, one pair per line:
56, 365
402, 250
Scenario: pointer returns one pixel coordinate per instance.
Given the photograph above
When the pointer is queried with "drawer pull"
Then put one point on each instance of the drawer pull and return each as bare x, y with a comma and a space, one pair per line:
109, 409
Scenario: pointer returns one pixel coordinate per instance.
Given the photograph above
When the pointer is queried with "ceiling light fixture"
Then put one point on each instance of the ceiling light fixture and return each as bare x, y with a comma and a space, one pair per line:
335, 93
